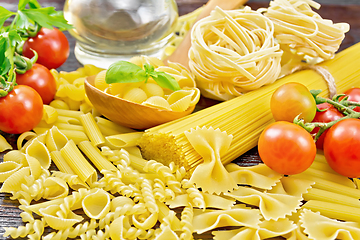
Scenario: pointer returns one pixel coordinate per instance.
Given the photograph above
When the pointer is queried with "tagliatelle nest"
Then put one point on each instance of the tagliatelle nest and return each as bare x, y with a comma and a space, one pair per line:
234, 52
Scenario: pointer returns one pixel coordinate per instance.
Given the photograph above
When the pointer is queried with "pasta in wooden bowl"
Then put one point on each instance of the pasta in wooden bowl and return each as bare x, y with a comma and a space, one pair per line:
138, 106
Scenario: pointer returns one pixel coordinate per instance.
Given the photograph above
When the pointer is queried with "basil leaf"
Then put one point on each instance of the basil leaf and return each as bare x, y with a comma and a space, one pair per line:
165, 80
4, 15
125, 72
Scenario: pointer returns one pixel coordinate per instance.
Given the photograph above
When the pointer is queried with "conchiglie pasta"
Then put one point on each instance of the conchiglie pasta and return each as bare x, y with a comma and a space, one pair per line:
158, 102
152, 89
136, 95
100, 82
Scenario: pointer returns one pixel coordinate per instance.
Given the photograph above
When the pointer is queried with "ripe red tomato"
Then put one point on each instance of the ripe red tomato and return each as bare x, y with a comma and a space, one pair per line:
354, 96
290, 100
286, 148
21, 110
51, 45
329, 115
40, 79
342, 147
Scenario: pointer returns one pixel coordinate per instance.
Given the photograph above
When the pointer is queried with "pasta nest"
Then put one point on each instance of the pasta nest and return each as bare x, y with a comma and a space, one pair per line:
234, 52
304, 32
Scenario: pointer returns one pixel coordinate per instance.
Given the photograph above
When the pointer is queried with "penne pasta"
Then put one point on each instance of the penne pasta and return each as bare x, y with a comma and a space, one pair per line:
91, 129
94, 154
124, 140
78, 163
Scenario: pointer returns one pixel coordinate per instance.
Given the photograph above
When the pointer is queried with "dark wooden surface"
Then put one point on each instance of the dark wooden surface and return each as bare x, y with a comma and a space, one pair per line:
9, 213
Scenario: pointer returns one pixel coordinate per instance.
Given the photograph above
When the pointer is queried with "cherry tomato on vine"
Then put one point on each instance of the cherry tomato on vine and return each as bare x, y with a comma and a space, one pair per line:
51, 45
40, 79
21, 110
286, 148
342, 147
290, 100
354, 96
330, 114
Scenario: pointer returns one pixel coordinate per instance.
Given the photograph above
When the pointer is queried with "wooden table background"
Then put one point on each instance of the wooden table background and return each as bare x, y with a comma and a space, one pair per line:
346, 11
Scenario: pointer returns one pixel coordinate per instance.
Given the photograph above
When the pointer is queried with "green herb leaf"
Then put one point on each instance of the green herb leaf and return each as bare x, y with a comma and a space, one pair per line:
47, 17
165, 80
22, 21
4, 15
22, 4
125, 72
5, 64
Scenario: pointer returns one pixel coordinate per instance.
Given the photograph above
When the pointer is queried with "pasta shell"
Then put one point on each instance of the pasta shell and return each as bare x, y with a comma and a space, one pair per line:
55, 188
180, 100
55, 140
157, 102
54, 221
152, 89
13, 183
25, 136
136, 95
7, 169
35, 167
100, 82
96, 205
39, 151
15, 156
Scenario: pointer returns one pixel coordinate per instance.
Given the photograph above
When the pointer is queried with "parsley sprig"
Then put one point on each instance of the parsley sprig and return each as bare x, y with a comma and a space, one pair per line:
29, 18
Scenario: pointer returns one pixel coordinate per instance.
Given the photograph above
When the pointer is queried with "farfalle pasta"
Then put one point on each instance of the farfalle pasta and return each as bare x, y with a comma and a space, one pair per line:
321, 227
238, 216
259, 176
271, 205
211, 144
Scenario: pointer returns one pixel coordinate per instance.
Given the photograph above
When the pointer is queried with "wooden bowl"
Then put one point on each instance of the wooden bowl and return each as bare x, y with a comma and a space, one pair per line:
128, 113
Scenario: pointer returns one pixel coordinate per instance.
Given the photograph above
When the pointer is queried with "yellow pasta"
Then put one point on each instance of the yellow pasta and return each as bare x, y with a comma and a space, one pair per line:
238, 119
124, 140
78, 163
97, 204
334, 210
50, 114
91, 129
242, 42
303, 30
25, 136
39, 151
327, 196
108, 127
93, 153
7, 169
4, 145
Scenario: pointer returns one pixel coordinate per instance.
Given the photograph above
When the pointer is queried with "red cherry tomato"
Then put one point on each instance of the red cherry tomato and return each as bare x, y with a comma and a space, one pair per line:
40, 79
354, 96
286, 148
290, 100
342, 147
51, 45
21, 110
330, 114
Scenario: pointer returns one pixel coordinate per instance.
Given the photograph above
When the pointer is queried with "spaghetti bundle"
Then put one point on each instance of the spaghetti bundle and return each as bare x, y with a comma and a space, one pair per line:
244, 117
234, 52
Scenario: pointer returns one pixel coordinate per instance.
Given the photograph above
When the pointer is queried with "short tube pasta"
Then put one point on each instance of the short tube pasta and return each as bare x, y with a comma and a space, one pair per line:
91, 129
78, 163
